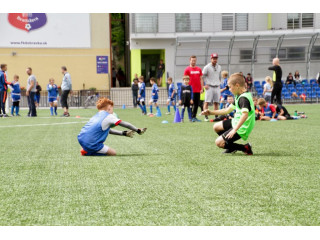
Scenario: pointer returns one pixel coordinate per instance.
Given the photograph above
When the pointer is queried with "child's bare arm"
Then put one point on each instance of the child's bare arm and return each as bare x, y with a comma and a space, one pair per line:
224, 111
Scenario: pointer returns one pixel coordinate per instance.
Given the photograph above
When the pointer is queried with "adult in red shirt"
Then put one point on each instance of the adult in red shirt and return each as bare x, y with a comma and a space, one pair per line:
196, 81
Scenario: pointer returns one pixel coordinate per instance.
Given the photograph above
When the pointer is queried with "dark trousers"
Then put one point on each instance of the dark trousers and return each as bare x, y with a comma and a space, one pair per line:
135, 99
114, 82
276, 93
32, 105
64, 99
3, 99
196, 103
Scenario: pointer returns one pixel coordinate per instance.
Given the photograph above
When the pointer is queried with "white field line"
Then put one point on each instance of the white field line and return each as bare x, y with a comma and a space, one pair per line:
40, 124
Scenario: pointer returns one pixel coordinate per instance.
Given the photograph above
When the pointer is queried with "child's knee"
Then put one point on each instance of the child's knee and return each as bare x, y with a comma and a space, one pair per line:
216, 127
220, 142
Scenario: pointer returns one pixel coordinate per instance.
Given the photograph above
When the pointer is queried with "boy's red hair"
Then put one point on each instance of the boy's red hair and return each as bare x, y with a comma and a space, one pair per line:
103, 102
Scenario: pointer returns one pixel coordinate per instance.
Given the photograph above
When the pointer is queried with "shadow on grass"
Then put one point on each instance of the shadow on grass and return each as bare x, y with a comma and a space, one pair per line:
138, 154
264, 154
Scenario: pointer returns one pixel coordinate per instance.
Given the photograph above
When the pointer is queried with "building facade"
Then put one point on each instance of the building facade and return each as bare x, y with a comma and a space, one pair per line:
46, 42
245, 42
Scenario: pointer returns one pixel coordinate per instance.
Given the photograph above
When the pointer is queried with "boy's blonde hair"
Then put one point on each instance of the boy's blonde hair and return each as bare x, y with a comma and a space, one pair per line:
16, 76
261, 101
224, 74
237, 78
170, 79
141, 77
185, 77
269, 80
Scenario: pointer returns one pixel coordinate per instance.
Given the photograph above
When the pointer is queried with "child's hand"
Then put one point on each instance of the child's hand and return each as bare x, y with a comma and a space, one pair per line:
180, 102
139, 96
142, 131
130, 134
231, 134
191, 102
205, 112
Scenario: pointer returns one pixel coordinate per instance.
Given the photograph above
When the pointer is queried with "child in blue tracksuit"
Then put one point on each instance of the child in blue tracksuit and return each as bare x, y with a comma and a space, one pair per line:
15, 95
154, 95
171, 95
224, 89
53, 95
142, 95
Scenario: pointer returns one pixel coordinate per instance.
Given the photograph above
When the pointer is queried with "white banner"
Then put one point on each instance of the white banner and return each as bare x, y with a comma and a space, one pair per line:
41, 30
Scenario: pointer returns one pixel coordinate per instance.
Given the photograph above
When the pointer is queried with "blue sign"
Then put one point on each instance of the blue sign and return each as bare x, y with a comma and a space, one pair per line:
102, 64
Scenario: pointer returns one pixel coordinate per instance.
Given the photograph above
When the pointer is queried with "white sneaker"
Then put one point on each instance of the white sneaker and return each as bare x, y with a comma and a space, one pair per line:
206, 119
168, 113
150, 114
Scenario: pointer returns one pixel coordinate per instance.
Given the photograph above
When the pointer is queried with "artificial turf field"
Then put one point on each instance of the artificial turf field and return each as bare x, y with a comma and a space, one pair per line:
171, 175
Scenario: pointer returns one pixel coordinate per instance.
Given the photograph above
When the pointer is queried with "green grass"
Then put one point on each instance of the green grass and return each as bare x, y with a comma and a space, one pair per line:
172, 175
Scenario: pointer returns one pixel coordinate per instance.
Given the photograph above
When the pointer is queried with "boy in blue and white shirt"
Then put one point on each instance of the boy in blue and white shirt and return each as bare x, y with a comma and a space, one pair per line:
154, 95
171, 96
95, 132
53, 96
142, 95
15, 95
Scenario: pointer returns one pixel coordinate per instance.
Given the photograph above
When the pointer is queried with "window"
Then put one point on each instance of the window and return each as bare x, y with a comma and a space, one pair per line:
299, 20
227, 21
289, 54
235, 21
145, 22
246, 55
241, 22
188, 22
315, 53
307, 20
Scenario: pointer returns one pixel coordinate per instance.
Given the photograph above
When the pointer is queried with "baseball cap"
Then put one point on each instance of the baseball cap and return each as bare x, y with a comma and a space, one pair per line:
214, 55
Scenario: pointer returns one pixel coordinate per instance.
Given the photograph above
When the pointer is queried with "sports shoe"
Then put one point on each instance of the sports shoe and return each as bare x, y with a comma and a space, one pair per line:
206, 120
83, 152
150, 114
168, 113
18, 115
5, 115
248, 148
1, 115
195, 120
229, 151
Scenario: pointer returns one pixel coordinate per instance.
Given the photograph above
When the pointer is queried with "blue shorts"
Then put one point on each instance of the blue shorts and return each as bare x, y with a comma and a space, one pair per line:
154, 100
52, 100
37, 98
171, 99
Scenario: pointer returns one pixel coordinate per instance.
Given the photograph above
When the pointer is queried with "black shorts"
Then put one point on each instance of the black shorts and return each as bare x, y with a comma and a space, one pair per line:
227, 127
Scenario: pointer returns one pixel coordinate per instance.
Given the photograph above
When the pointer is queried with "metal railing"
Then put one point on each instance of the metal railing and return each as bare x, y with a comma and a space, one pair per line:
78, 98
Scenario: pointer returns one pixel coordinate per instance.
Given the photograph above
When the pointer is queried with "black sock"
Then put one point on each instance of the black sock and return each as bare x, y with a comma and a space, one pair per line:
234, 146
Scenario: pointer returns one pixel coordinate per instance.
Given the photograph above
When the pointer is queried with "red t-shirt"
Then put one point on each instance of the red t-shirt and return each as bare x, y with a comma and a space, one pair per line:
194, 74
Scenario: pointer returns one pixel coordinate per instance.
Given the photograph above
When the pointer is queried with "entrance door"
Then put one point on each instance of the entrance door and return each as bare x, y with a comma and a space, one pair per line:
149, 63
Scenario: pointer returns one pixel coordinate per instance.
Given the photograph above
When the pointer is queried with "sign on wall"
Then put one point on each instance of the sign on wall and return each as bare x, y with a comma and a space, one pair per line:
102, 64
41, 30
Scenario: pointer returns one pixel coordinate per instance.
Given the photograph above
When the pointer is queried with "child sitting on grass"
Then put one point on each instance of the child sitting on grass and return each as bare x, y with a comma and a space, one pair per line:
268, 111
96, 131
231, 130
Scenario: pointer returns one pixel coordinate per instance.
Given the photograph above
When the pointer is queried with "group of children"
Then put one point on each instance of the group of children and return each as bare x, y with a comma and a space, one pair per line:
266, 111
15, 88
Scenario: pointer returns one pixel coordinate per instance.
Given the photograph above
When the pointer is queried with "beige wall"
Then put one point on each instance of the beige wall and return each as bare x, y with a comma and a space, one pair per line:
81, 63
